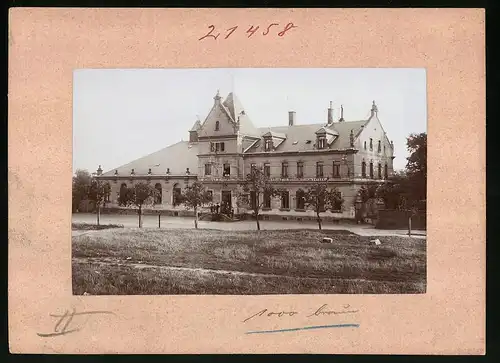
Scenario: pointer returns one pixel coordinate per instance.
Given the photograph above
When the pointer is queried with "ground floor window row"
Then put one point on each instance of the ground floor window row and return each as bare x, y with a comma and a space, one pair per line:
227, 198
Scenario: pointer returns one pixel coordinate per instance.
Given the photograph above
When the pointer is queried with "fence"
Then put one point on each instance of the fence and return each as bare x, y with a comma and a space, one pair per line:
397, 219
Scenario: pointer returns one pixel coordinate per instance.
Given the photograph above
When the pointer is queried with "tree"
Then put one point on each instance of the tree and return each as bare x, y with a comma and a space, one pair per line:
97, 192
320, 198
416, 167
81, 183
138, 195
396, 192
407, 189
194, 196
255, 184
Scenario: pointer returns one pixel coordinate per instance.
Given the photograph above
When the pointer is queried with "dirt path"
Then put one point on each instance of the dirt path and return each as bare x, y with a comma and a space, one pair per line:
118, 262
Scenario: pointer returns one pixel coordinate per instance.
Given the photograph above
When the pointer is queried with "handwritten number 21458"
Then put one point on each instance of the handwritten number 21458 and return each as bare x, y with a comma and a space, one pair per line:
250, 31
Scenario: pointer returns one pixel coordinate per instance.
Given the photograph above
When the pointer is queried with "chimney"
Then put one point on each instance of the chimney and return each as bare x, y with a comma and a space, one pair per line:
330, 114
291, 118
341, 119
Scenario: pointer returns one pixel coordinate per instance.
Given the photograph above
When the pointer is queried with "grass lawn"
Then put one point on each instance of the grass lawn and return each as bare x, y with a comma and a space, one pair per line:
188, 261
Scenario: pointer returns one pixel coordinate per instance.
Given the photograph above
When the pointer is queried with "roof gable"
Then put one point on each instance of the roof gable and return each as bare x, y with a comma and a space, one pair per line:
217, 123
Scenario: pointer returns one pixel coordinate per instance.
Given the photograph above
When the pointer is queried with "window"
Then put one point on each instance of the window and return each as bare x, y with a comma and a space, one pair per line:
319, 169
267, 200
386, 172
371, 169
300, 199
176, 197
285, 199
336, 170
371, 144
158, 194
365, 145
216, 146
210, 195
107, 192
208, 169
363, 169
123, 192
268, 144
252, 167
300, 169
267, 169
379, 148
217, 125
227, 170
384, 149
321, 142
284, 170
337, 203
379, 171
253, 199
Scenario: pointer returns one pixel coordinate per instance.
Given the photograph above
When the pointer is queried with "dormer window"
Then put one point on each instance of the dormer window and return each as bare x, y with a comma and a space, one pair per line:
268, 144
321, 142
217, 125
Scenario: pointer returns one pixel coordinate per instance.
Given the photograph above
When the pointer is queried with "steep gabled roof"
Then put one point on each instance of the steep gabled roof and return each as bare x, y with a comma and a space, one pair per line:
237, 113
196, 126
177, 157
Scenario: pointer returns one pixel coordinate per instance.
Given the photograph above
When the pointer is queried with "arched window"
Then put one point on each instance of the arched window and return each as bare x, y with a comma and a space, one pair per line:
158, 195
379, 171
299, 197
107, 193
371, 169
176, 200
123, 192
217, 125
386, 172
363, 169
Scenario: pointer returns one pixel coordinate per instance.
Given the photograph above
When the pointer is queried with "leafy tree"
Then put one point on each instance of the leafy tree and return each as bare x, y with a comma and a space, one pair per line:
408, 189
195, 196
396, 192
97, 192
255, 184
321, 198
138, 195
416, 167
81, 183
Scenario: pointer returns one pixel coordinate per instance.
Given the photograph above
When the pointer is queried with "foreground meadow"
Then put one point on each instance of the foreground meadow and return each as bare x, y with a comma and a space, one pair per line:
188, 261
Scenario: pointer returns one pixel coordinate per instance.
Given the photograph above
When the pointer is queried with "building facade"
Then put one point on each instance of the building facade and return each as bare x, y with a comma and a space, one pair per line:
223, 148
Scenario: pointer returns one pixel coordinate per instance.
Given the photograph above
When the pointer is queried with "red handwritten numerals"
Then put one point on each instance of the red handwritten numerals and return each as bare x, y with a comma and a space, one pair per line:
250, 31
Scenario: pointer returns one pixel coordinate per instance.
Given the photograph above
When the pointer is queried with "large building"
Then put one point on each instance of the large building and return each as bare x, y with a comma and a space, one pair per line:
223, 148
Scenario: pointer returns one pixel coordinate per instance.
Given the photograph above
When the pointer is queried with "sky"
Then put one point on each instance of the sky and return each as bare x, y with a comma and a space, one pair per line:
120, 115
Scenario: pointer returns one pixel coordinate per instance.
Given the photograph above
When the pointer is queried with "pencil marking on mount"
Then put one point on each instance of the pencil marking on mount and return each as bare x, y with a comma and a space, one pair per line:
314, 327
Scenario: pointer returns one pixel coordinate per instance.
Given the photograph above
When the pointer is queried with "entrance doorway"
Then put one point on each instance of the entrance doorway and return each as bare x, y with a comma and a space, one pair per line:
226, 204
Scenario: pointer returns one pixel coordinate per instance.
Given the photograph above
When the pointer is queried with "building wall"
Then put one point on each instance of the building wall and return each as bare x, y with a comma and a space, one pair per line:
167, 189
309, 164
374, 131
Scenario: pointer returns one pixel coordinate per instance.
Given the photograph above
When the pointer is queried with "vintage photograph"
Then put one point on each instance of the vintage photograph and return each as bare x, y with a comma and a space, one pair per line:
249, 181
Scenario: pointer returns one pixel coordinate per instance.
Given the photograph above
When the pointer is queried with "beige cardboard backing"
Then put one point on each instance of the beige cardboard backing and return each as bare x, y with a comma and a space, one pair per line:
46, 45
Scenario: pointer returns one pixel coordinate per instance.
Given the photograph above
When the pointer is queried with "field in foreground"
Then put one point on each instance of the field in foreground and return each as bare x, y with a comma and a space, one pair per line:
187, 261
